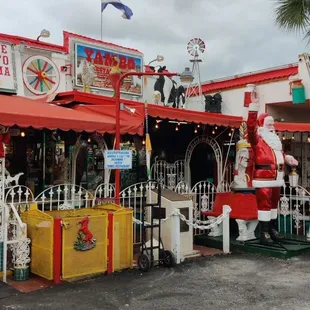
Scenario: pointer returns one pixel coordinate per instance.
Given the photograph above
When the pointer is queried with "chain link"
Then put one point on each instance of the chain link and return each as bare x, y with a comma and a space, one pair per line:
212, 223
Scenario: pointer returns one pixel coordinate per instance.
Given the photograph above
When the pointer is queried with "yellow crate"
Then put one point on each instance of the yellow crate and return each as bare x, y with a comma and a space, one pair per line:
74, 263
123, 236
40, 228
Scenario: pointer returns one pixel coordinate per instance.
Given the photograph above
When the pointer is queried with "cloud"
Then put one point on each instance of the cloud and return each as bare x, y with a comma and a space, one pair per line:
240, 35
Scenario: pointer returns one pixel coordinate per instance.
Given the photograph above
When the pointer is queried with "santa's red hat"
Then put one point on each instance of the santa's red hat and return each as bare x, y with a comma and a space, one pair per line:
261, 119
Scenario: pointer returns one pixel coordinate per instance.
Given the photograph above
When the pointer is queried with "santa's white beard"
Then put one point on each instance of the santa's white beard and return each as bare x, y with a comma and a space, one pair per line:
271, 138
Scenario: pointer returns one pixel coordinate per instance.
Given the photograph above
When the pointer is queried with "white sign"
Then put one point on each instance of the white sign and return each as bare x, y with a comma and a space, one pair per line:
7, 81
118, 159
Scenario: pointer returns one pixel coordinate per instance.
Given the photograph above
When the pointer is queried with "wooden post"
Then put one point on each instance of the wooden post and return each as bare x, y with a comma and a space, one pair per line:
110, 242
57, 256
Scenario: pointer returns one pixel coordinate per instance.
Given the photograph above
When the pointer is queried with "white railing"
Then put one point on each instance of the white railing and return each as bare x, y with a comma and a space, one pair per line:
168, 174
294, 211
64, 197
104, 193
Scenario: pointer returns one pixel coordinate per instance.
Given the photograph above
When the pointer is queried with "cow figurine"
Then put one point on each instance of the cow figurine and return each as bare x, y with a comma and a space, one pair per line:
168, 90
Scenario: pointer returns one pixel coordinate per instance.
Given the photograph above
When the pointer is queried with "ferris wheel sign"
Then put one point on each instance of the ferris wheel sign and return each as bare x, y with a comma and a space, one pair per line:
7, 79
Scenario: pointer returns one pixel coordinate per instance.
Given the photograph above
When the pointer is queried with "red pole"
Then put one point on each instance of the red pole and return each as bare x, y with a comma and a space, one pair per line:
57, 255
117, 120
110, 242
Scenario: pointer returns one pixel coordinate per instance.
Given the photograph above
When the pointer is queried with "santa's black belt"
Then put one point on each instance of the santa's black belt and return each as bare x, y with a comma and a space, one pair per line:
269, 167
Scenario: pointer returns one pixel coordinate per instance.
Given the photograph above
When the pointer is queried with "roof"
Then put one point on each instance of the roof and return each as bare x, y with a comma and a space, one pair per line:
153, 110
25, 112
16, 40
257, 77
292, 127
67, 35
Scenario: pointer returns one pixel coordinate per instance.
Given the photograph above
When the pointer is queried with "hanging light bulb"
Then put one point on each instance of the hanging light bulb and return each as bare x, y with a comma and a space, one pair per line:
198, 126
215, 127
308, 139
89, 140
143, 142
22, 134
283, 137
195, 130
176, 128
179, 123
293, 137
213, 132
229, 134
156, 126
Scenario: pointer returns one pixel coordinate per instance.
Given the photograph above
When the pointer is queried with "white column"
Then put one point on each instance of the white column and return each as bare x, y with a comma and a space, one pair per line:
226, 234
176, 237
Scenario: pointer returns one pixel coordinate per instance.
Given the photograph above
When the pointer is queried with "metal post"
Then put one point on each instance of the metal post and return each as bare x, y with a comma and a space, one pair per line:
226, 234
176, 236
117, 119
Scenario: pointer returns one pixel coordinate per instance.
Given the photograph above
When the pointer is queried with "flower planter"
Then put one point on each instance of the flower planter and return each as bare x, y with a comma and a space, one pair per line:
21, 274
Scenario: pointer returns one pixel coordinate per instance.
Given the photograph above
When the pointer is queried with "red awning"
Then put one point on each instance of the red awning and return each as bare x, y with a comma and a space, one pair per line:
131, 123
293, 127
153, 110
25, 112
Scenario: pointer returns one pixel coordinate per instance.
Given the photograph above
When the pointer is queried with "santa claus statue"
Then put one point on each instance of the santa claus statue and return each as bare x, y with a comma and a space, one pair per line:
269, 163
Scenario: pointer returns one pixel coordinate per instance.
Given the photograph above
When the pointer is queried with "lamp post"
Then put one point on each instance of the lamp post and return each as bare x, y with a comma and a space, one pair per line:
159, 58
44, 34
117, 117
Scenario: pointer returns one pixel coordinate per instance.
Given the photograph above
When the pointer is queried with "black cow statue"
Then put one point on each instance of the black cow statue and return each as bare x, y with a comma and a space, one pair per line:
166, 90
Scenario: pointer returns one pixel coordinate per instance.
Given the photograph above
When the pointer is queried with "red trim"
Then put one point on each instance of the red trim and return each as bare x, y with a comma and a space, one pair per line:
110, 242
250, 78
153, 110
17, 40
57, 253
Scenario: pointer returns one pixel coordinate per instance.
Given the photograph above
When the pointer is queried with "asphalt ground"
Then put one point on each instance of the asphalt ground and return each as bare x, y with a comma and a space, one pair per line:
236, 281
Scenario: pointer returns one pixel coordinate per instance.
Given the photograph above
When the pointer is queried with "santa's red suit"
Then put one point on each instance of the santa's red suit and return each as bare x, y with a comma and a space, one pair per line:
268, 176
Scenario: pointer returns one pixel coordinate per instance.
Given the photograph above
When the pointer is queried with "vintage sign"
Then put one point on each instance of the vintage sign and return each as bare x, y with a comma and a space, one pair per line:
93, 67
7, 80
118, 159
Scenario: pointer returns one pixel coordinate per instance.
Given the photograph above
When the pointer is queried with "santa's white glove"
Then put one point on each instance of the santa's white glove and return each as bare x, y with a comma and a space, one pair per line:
290, 160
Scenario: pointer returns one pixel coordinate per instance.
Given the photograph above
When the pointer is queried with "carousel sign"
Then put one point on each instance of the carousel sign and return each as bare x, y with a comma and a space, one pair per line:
7, 81
93, 68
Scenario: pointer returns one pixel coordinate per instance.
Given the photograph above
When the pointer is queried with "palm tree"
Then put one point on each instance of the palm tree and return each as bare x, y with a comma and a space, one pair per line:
294, 15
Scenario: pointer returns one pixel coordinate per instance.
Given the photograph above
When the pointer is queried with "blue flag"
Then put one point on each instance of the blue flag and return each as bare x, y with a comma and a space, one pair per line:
127, 12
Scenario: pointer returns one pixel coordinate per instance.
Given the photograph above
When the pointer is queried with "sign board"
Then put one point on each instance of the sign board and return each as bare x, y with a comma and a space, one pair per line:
118, 159
7, 80
93, 64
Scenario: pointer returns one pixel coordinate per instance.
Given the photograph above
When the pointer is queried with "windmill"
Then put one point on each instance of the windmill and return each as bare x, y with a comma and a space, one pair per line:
195, 48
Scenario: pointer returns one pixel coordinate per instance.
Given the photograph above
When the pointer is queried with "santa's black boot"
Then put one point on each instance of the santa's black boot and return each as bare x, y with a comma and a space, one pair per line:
274, 234
265, 238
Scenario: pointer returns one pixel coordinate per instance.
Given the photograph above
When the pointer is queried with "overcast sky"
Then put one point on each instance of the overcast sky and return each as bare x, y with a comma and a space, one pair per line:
240, 35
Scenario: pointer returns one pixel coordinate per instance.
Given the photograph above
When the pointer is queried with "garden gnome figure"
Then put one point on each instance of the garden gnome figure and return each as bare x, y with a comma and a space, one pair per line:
269, 161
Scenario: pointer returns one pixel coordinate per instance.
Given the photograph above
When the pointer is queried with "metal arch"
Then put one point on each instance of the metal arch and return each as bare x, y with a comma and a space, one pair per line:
216, 149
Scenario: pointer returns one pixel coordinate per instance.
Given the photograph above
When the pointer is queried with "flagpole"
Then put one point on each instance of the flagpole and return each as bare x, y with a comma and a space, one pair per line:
101, 20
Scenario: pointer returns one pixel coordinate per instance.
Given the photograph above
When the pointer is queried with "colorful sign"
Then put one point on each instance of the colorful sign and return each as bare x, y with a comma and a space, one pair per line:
118, 159
7, 80
93, 66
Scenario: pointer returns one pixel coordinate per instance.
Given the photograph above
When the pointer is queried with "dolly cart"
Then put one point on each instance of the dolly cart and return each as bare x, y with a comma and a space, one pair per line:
146, 258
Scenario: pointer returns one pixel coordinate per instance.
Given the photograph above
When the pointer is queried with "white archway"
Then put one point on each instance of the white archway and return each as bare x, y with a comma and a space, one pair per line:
216, 149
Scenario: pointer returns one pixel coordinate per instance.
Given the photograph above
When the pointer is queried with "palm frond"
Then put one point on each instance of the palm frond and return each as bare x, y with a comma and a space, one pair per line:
293, 15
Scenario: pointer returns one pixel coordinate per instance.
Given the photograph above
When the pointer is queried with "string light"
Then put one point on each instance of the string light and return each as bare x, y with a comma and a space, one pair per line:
229, 134
177, 128
195, 130
22, 134
89, 140
156, 126
213, 132
198, 126
293, 137
215, 127
143, 142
